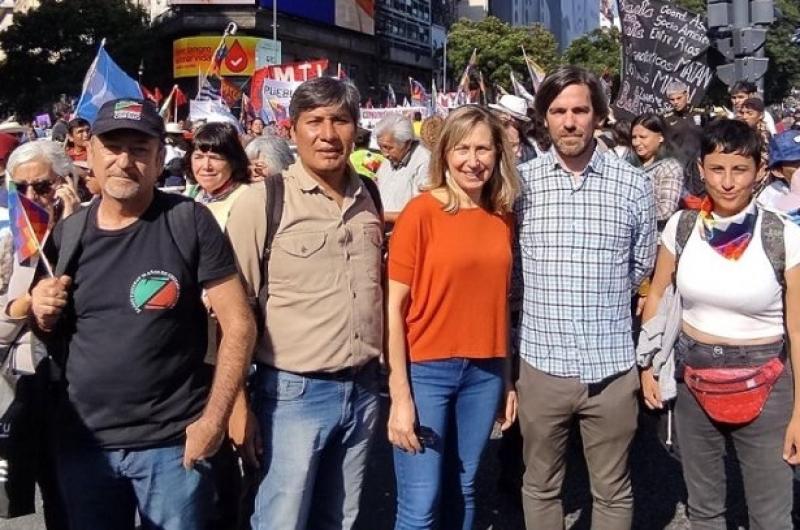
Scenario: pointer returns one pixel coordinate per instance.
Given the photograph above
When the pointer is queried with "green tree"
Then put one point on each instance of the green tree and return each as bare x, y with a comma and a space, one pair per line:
49, 49
598, 51
498, 46
696, 6
784, 57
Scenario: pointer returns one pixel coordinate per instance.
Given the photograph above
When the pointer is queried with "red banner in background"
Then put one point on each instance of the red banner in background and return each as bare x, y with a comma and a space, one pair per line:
290, 72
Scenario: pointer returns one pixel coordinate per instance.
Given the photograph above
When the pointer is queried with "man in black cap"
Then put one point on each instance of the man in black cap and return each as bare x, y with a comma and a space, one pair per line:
124, 318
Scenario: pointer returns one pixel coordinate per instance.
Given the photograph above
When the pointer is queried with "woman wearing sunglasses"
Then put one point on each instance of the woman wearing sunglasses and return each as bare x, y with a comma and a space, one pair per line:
40, 172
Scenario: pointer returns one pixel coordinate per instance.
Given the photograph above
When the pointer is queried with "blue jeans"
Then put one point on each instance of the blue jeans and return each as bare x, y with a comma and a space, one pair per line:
456, 402
316, 433
102, 489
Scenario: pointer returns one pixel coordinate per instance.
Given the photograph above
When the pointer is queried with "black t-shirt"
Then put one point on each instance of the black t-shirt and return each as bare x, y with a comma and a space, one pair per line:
137, 335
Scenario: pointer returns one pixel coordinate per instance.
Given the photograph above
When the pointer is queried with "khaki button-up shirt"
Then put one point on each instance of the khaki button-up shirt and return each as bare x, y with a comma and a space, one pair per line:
324, 296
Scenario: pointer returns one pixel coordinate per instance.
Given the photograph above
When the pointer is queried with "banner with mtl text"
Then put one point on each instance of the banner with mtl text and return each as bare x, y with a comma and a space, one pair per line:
661, 43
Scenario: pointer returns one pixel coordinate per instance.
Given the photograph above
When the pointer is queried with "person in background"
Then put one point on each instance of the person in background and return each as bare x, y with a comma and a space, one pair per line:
733, 317
256, 127
621, 136
219, 165
431, 131
39, 171
79, 132
60, 127
511, 110
7, 145
753, 112
268, 155
742, 91
449, 365
784, 161
405, 171
417, 123
364, 160
653, 154
677, 93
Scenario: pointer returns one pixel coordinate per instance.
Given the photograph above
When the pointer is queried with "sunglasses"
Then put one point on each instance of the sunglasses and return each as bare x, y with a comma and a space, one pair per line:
43, 187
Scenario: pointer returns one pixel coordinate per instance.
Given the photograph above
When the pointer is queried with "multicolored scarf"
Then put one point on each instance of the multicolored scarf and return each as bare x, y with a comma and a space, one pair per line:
729, 236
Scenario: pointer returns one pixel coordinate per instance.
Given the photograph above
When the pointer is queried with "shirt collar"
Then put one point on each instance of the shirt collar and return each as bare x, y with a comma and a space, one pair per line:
307, 183
595, 166
407, 158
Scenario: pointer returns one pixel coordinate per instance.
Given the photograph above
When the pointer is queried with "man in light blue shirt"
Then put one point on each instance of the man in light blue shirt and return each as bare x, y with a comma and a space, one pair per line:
586, 240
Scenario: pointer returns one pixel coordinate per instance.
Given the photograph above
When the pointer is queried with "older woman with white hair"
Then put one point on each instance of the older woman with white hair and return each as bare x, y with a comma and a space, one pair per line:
405, 172
268, 155
40, 172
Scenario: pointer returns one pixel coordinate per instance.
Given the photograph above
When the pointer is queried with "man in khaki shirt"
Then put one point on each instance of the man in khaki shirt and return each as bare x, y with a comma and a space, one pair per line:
316, 388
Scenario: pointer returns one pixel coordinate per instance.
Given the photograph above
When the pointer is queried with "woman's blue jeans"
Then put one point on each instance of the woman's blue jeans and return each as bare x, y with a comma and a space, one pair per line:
457, 402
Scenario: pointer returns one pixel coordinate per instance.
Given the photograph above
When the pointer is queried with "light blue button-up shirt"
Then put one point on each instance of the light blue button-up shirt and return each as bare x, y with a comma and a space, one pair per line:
584, 246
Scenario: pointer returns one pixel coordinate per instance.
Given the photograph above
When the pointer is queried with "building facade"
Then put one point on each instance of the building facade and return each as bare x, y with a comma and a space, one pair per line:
566, 19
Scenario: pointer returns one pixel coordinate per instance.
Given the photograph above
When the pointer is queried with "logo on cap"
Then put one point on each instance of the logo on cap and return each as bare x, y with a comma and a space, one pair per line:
128, 110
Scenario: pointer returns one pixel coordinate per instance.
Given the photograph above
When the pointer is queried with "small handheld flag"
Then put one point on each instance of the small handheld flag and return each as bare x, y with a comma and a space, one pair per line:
29, 226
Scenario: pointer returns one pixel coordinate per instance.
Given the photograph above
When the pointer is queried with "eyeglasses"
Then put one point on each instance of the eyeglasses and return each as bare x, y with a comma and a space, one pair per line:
42, 187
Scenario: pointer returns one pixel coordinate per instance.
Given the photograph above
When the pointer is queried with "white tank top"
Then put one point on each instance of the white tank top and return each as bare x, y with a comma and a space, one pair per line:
736, 299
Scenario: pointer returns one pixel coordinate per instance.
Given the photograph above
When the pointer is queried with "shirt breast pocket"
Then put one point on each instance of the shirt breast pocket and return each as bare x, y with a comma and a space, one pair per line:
298, 259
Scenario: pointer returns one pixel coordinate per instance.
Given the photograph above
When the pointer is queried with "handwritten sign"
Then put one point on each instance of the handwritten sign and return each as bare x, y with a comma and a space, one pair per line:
661, 43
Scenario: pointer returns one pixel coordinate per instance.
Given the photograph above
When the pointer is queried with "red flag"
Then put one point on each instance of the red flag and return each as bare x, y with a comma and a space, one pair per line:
159, 96
148, 94
180, 97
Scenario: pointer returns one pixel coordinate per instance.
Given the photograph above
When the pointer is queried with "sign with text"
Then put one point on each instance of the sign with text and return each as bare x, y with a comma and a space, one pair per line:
289, 73
661, 43
191, 55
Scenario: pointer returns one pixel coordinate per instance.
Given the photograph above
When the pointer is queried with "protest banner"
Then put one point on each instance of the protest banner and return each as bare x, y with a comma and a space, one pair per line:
300, 71
370, 117
273, 101
661, 43
287, 73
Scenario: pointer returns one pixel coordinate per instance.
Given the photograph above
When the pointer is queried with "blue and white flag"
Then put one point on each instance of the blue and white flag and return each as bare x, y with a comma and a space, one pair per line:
208, 92
104, 81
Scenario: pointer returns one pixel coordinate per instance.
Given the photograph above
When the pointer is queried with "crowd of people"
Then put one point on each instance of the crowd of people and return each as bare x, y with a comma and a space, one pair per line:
203, 340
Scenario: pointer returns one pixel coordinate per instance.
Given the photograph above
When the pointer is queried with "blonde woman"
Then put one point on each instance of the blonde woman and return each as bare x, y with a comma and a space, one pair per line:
449, 276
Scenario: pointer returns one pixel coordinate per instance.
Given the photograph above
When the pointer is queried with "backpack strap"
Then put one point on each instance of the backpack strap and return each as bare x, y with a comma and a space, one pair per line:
183, 228
273, 210
71, 232
772, 239
686, 223
372, 188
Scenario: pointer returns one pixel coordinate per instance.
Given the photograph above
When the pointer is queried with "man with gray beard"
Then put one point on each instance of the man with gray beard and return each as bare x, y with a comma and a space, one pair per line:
138, 411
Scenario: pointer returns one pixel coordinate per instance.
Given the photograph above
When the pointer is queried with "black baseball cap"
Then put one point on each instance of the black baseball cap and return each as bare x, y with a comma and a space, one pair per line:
129, 113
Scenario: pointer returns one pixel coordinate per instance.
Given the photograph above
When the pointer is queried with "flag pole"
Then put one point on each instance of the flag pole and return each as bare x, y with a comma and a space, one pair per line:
230, 29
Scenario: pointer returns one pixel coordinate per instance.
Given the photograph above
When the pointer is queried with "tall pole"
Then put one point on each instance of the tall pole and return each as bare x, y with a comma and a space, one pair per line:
444, 66
274, 26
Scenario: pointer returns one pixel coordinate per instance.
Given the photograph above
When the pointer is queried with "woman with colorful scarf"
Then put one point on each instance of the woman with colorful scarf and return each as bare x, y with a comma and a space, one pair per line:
734, 362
